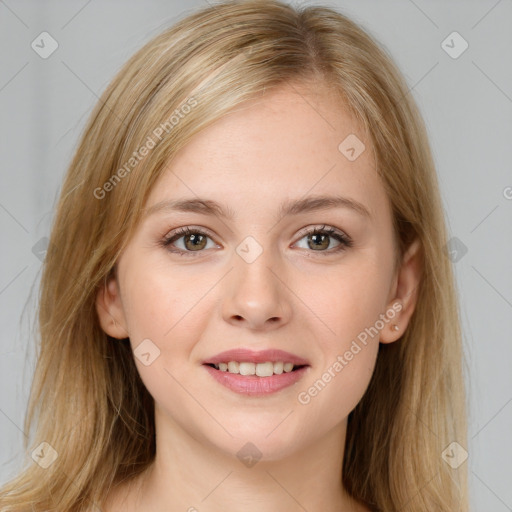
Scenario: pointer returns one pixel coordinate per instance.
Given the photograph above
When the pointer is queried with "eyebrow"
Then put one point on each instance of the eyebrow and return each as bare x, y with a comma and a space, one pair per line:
287, 208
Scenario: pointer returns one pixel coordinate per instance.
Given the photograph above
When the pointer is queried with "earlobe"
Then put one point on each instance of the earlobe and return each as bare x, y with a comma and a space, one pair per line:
110, 309
406, 293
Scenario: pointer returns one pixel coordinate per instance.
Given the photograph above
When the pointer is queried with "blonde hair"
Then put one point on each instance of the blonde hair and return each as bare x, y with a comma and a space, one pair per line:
87, 400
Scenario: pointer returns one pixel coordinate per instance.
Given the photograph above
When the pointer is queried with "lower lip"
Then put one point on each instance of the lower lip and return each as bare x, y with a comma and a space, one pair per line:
254, 385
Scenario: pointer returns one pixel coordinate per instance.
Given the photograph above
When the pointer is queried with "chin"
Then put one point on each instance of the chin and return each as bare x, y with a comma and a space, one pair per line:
259, 440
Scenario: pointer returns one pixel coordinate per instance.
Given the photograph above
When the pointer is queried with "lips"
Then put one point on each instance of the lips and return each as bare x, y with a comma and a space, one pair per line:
256, 385
250, 356
252, 385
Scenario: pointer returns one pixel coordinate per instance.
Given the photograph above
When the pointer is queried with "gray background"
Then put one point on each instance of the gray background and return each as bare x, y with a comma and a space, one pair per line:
467, 106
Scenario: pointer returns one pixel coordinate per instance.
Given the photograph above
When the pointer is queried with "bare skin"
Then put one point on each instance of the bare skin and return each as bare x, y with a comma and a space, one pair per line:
309, 301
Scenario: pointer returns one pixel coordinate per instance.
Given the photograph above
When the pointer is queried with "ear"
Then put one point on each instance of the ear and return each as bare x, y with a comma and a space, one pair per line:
110, 309
405, 293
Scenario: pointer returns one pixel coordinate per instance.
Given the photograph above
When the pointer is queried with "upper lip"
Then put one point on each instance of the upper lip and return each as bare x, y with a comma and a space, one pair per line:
243, 355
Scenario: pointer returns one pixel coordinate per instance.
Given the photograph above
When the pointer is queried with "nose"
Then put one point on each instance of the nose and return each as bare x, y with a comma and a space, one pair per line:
256, 295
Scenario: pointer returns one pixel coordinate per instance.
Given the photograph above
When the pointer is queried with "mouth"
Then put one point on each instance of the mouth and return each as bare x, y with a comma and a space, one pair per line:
247, 372
256, 379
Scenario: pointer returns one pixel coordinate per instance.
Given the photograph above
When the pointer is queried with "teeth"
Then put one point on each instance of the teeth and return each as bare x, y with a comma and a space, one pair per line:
278, 367
233, 367
260, 369
264, 369
247, 368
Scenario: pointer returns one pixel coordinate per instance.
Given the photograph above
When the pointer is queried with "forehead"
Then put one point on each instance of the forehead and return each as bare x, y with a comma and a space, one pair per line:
288, 143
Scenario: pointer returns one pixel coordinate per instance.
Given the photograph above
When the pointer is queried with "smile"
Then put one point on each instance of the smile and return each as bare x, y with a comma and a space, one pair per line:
256, 379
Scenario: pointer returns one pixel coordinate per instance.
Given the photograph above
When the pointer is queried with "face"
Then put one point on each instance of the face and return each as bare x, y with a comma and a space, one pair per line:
193, 283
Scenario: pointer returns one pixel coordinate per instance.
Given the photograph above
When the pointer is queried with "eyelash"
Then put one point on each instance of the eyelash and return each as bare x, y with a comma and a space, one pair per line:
345, 241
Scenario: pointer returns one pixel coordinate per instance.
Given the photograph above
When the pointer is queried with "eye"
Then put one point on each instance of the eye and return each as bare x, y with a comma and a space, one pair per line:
319, 240
194, 240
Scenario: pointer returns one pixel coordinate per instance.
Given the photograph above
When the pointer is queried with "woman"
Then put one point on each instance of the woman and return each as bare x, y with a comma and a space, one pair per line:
245, 303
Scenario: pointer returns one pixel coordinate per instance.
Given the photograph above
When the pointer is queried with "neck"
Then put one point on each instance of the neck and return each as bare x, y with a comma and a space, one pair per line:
189, 475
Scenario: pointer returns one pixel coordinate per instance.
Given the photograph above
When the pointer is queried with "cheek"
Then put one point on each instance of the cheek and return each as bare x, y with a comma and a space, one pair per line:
167, 310
351, 304
337, 385
348, 303
171, 311
158, 303
337, 389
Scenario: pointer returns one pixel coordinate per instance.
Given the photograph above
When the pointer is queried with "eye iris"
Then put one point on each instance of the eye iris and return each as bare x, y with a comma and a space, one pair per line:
322, 244
196, 241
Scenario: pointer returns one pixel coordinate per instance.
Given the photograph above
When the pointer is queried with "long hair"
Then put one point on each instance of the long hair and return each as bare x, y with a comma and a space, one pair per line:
87, 401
